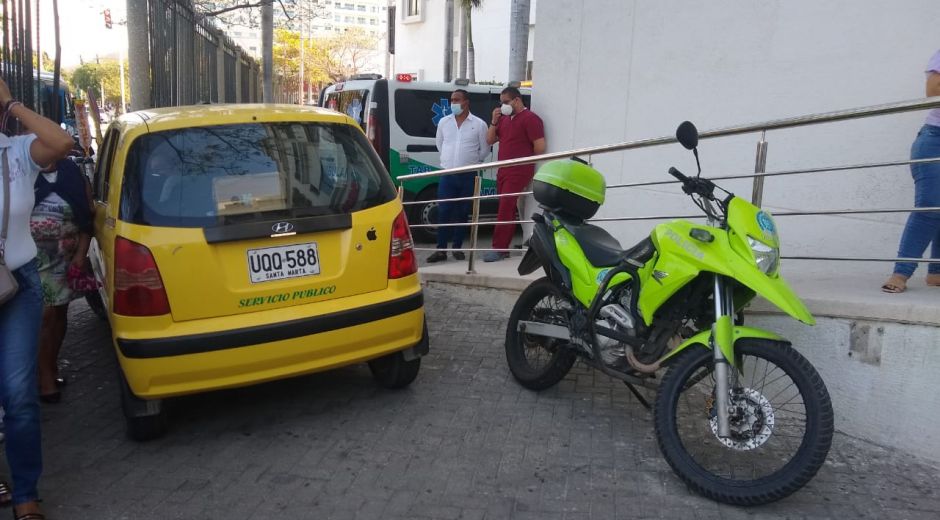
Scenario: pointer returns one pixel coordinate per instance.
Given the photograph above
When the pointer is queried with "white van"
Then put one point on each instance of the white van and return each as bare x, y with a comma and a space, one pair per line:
400, 118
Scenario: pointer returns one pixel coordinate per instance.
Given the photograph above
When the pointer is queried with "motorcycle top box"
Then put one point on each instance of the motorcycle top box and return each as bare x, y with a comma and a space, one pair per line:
571, 187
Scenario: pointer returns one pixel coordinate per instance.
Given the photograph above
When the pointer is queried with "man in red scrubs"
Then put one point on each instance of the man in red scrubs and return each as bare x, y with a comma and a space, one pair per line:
520, 133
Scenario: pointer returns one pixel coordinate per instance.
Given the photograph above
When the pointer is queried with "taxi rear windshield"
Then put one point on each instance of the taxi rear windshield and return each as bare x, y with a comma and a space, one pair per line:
218, 175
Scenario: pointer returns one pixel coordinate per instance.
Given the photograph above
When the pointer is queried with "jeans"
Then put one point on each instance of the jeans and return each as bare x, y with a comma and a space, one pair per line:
20, 319
502, 235
452, 187
923, 228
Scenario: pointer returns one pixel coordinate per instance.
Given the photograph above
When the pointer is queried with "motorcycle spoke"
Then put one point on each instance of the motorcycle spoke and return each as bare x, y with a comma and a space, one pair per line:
539, 350
760, 445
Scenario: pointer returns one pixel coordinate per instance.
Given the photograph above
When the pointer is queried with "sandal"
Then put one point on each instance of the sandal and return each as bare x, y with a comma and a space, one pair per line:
896, 284
6, 494
33, 515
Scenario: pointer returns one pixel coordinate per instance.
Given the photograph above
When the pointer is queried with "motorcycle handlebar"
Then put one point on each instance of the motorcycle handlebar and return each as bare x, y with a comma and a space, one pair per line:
677, 174
694, 186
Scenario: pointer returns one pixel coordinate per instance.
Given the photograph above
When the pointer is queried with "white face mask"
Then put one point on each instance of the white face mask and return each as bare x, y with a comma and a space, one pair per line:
506, 109
456, 109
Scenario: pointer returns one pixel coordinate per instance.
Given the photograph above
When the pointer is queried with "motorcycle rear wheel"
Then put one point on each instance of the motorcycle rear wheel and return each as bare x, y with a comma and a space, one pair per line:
538, 362
782, 423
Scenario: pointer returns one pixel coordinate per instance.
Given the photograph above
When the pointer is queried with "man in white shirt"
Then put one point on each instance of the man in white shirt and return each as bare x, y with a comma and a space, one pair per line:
461, 139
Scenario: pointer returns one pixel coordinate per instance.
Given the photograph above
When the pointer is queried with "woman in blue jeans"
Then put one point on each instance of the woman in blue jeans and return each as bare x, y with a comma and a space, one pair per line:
21, 157
922, 228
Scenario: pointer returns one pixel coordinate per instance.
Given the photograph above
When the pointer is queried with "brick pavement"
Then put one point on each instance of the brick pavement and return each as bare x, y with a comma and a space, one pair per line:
463, 442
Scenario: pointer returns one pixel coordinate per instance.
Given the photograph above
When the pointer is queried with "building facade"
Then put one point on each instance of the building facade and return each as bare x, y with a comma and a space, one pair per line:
419, 39
317, 19
612, 71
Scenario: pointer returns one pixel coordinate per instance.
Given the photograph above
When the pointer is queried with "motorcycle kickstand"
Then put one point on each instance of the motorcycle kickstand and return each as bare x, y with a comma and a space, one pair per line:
639, 397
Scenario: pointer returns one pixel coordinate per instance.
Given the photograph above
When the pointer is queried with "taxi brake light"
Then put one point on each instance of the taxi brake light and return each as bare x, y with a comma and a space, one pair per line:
401, 256
138, 288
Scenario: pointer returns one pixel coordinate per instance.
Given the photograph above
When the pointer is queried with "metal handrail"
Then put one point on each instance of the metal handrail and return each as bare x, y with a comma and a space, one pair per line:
758, 176
774, 124
825, 169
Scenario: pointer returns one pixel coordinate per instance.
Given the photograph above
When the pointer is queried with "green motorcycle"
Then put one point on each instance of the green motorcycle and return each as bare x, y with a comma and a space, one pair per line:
740, 415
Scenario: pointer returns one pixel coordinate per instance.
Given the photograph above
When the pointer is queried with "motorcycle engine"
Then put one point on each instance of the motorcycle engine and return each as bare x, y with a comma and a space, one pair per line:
614, 316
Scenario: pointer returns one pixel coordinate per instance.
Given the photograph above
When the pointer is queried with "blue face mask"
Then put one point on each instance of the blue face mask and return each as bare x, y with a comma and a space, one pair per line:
456, 109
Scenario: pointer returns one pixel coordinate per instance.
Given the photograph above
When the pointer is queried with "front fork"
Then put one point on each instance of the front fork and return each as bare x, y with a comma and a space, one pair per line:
722, 348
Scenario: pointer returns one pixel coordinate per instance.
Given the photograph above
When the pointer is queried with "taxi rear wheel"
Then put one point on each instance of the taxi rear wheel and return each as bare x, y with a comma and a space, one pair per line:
392, 371
144, 419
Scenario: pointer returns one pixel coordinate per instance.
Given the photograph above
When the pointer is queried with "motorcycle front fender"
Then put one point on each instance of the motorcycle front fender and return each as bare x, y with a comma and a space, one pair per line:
704, 338
778, 292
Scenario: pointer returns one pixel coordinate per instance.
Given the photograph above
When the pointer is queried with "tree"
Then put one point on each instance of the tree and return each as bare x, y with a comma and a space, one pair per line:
348, 53
47, 62
326, 60
448, 39
247, 13
518, 39
466, 37
287, 59
90, 76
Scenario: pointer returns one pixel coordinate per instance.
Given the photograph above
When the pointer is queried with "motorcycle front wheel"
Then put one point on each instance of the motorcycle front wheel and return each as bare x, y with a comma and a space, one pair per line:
538, 362
781, 423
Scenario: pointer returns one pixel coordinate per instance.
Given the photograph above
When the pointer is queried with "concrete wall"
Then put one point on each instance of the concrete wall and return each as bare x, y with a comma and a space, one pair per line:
419, 43
618, 70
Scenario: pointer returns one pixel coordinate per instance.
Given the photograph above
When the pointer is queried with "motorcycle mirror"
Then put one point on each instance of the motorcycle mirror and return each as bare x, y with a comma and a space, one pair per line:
687, 135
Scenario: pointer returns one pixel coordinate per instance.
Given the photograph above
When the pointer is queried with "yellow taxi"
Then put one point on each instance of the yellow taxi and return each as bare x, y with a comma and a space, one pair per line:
238, 244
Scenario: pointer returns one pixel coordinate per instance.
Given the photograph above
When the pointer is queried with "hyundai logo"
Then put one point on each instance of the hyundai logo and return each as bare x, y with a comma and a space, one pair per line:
282, 227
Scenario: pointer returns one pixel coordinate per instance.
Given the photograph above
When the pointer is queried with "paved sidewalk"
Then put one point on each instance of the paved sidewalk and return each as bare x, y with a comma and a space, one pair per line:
463, 442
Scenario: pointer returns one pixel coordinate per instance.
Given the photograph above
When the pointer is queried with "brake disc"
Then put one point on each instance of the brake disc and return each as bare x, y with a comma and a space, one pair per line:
754, 425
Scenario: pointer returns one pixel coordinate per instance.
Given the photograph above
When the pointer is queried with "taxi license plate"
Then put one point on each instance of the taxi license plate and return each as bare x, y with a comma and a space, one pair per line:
278, 263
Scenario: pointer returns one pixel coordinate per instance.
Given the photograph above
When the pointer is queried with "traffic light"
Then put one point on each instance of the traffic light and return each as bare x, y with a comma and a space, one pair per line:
107, 18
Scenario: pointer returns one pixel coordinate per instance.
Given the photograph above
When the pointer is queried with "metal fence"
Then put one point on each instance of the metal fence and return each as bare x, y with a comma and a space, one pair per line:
17, 52
758, 176
185, 56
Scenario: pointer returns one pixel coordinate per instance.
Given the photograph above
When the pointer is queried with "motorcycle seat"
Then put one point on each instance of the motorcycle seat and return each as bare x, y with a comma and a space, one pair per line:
603, 250
600, 248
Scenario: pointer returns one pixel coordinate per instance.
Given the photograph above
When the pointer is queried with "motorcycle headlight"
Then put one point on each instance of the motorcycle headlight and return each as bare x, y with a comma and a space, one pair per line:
766, 257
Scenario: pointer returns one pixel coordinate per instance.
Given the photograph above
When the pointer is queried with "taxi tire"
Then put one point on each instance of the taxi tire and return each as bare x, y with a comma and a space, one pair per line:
393, 372
140, 427
425, 213
93, 299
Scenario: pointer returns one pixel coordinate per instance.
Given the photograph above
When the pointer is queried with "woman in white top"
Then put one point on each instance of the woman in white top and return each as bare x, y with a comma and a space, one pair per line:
20, 317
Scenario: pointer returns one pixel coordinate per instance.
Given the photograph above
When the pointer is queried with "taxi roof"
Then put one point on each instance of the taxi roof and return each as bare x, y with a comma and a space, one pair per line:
168, 118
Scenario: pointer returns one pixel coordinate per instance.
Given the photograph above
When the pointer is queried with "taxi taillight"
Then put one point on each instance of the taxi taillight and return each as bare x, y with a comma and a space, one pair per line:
401, 256
138, 288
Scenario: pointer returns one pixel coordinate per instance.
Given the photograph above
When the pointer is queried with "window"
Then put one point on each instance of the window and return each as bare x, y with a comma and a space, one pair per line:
337, 18
412, 8
348, 19
350, 102
361, 8
361, 20
372, 21
228, 174
415, 111
103, 171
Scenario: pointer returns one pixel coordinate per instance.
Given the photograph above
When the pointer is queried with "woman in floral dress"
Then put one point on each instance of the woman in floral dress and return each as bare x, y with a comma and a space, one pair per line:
61, 226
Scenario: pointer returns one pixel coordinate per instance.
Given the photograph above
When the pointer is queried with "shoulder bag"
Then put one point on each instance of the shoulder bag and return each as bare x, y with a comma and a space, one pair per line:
8, 285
